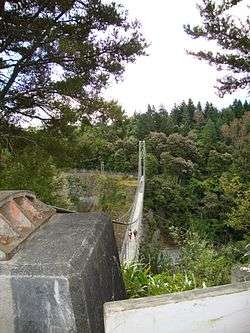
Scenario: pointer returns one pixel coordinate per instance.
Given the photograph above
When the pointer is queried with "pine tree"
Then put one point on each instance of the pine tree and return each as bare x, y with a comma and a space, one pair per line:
210, 111
199, 117
59, 52
209, 134
238, 108
233, 38
177, 113
191, 110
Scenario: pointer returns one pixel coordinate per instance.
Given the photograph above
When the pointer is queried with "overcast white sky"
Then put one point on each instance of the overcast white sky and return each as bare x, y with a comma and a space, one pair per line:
168, 75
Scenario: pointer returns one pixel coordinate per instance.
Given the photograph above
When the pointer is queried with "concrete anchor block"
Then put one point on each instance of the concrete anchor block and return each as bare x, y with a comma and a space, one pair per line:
59, 279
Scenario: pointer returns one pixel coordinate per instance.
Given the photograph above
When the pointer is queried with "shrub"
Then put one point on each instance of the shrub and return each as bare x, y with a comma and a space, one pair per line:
112, 196
200, 265
140, 281
135, 277
34, 170
151, 255
207, 264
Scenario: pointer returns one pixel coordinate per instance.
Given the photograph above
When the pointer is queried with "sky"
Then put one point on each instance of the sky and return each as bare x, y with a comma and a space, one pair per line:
168, 75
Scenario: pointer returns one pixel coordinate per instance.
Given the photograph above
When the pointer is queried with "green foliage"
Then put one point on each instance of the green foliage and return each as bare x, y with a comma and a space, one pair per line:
231, 34
112, 196
187, 159
196, 172
140, 282
207, 264
181, 146
210, 228
136, 279
201, 265
208, 135
152, 165
166, 193
54, 53
218, 163
239, 217
154, 257
153, 121
176, 166
165, 283
197, 182
239, 195
33, 170
125, 156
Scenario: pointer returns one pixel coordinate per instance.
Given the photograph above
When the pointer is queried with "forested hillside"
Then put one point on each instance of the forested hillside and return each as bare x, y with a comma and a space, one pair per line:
197, 161
197, 178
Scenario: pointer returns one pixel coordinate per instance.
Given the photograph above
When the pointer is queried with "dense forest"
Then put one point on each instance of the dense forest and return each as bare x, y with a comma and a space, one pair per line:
55, 60
197, 160
197, 180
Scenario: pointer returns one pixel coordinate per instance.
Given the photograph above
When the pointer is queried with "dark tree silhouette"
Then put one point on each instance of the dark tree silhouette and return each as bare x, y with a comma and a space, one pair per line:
232, 36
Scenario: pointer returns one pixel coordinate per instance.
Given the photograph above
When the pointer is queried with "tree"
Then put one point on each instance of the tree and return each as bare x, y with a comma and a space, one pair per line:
209, 135
152, 165
210, 112
177, 113
231, 35
239, 195
181, 146
33, 169
106, 112
164, 121
188, 115
156, 143
61, 51
237, 132
191, 110
167, 196
176, 166
239, 217
217, 162
145, 122
198, 117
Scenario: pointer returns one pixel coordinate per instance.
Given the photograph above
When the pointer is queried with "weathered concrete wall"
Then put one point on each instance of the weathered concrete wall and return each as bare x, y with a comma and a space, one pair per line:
61, 276
224, 309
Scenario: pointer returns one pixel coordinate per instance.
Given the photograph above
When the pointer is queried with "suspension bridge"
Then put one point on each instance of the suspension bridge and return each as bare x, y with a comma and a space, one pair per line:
133, 235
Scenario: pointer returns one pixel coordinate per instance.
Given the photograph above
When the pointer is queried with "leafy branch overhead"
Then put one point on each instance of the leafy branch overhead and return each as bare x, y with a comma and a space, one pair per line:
233, 38
61, 51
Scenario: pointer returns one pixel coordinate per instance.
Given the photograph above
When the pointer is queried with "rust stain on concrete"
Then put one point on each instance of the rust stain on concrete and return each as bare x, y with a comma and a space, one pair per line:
21, 213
